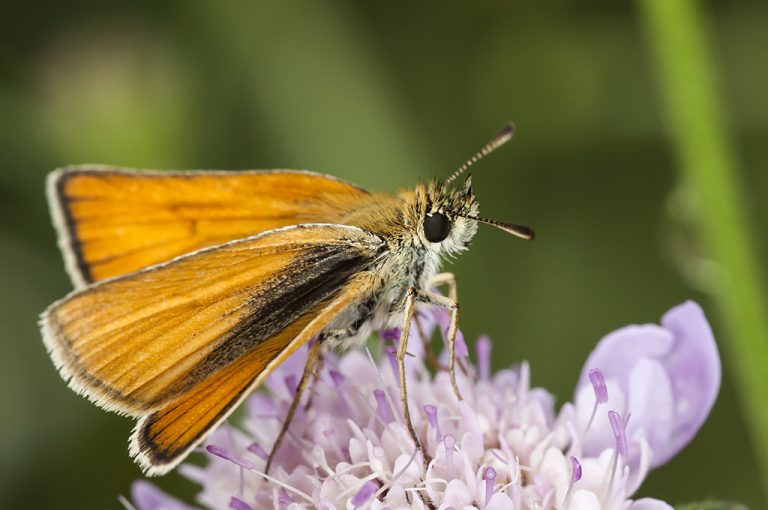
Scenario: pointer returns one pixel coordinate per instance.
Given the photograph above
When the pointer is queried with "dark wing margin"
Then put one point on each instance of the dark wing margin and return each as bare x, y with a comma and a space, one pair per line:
114, 221
325, 282
305, 285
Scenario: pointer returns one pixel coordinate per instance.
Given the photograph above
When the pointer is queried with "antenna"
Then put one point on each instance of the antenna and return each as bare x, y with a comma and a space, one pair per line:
497, 141
510, 228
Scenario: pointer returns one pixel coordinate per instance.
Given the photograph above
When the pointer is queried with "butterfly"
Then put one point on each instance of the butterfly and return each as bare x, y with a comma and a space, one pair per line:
192, 287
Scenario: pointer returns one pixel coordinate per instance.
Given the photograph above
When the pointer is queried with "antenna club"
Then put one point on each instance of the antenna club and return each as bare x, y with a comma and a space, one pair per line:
530, 235
506, 133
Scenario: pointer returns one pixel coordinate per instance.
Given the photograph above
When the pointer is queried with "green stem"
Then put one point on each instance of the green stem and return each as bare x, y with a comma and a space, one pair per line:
677, 34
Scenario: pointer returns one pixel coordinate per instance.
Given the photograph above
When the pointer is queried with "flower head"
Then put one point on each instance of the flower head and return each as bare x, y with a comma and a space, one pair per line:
502, 447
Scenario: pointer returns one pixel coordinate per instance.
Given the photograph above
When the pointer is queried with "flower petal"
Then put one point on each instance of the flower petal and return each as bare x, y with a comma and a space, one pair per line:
695, 372
649, 504
584, 500
669, 376
147, 496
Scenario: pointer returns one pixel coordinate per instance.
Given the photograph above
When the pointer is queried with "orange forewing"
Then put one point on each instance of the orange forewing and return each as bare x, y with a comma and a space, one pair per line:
112, 222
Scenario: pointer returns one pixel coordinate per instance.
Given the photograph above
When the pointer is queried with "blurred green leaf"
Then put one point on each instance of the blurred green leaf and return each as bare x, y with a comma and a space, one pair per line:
679, 37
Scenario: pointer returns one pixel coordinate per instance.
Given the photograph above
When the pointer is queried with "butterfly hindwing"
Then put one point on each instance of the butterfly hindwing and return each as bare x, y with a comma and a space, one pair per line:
135, 343
164, 437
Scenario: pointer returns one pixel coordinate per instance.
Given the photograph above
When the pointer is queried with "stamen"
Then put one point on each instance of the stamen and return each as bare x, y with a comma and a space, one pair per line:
449, 442
290, 383
598, 384
483, 349
382, 406
575, 470
330, 436
256, 448
618, 432
238, 504
490, 478
601, 395
337, 378
339, 382
618, 425
271, 479
227, 455
392, 334
392, 355
364, 494
498, 456
460, 345
575, 477
284, 499
431, 412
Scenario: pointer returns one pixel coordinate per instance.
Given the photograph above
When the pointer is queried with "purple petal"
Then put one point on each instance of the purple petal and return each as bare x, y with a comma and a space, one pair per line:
444, 321
392, 334
669, 376
148, 497
364, 494
649, 504
694, 367
382, 406
483, 348
238, 504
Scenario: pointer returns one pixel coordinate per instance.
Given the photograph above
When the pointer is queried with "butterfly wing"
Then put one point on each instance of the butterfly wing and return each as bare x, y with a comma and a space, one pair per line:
179, 344
162, 439
115, 221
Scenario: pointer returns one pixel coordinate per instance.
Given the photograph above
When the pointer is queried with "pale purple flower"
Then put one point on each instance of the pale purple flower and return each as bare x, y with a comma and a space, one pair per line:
146, 496
666, 377
502, 447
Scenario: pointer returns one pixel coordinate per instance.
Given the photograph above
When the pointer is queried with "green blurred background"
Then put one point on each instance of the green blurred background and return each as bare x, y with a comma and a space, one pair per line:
381, 94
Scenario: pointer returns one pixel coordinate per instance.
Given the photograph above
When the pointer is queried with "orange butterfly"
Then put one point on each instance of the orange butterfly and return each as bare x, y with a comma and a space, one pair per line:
193, 286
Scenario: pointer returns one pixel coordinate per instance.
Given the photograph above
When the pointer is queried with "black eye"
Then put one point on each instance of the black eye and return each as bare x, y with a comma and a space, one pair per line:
436, 227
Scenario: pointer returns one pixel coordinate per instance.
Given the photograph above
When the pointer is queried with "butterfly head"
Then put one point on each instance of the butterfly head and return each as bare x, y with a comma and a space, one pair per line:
444, 216
447, 213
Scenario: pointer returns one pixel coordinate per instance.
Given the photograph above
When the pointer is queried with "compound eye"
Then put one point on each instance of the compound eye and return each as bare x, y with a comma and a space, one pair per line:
436, 227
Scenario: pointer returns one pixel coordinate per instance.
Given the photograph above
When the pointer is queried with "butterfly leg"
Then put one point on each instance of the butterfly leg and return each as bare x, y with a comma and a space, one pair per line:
449, 279
313, 366
433, 299
317, 371
430, 298
410, 302
312, 357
